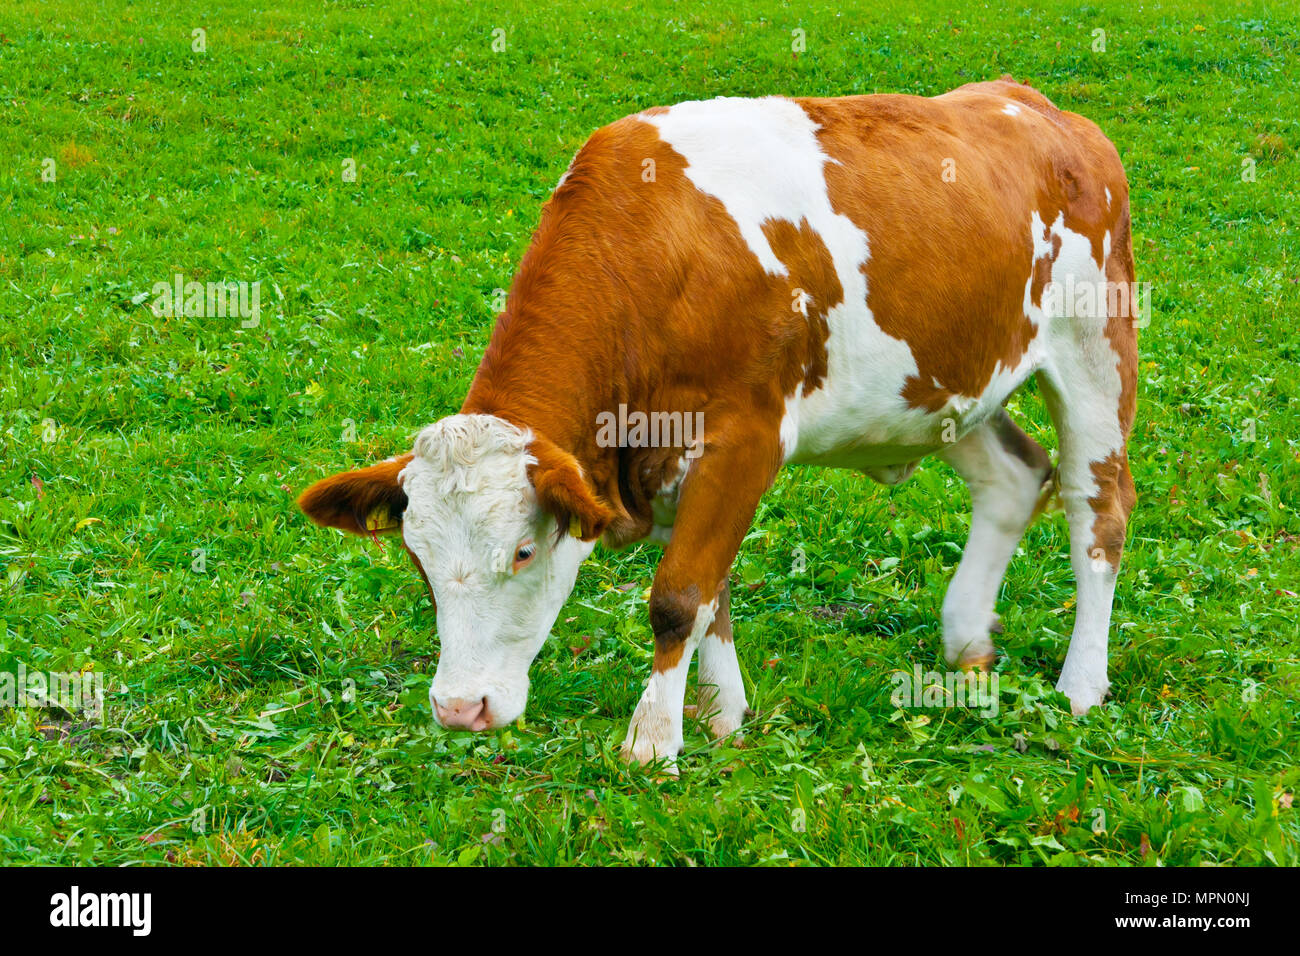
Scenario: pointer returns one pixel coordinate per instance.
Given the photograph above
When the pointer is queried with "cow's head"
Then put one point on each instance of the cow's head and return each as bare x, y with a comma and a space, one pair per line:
497, 520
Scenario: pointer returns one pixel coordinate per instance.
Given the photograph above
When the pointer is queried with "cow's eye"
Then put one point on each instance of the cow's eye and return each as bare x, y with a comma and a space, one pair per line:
524, 555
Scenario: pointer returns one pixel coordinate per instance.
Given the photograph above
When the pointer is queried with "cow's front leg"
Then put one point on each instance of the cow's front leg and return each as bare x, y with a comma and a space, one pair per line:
717, 503
721, 693
656, 728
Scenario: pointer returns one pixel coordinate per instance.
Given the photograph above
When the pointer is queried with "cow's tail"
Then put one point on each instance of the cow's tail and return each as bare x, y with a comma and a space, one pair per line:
1049, 496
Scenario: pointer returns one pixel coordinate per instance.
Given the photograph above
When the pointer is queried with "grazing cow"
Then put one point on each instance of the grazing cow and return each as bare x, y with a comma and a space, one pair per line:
856, 282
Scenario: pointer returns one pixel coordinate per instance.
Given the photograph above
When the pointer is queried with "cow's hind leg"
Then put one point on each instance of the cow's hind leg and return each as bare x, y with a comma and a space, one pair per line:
1089, 386
1005, 470
1097, 491
1098, 494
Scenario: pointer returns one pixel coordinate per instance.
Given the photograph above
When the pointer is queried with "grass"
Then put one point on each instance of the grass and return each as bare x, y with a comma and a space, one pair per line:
267, 680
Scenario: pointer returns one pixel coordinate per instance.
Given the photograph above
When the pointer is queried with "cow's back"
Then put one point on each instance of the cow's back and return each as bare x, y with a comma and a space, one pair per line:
865, 272
966, 200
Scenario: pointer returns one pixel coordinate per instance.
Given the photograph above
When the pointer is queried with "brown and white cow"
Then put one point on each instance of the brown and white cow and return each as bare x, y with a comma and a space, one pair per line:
856, 282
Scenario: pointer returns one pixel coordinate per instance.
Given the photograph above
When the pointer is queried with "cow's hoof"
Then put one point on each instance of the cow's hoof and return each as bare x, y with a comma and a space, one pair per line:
722, 727
646, 756
645, 747
1083, 697
720, 720
968, 640
717, 724
977, 661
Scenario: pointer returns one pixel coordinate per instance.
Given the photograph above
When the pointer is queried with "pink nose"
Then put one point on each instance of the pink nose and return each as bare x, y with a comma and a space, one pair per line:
472, 715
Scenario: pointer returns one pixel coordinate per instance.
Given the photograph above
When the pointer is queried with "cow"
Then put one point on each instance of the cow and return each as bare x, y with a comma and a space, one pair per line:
856, 282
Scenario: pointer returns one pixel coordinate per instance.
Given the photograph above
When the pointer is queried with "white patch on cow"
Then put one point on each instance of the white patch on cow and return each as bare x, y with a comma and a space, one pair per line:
470, 506
1084, 674
1075, 328
656, 728
762, 160
759, 157
789, 431
1108, 196
721, 691
961, 404
1011, 109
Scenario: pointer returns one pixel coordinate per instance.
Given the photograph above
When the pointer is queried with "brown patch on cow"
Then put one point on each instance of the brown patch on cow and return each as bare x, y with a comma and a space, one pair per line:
1111, 506
672, 616
1024, 94
721, 626
1116, 495
923, 393
715, 510
1069, 184
563, 492
1042, 271
629, 294
814, 289
1121, 324
1082, 162
638, 476
668, 654
365, 501
1013, 438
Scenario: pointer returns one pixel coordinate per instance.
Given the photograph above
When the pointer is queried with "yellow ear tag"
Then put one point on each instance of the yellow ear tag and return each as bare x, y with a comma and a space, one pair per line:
379, 519
575, 527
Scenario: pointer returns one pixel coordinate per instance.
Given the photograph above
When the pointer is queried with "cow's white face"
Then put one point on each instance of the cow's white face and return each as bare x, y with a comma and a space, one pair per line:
480, 504
498, 570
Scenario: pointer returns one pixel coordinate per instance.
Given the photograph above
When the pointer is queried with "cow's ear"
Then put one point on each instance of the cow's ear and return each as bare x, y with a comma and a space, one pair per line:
563, 491
366, 501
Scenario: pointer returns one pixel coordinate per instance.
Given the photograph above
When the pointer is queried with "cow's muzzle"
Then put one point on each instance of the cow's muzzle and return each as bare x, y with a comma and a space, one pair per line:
458, 714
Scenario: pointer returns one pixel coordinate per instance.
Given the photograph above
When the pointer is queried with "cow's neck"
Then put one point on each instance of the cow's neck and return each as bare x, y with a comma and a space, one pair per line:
555, 362
541, 373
